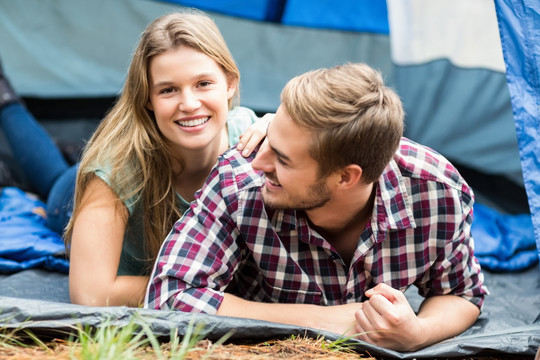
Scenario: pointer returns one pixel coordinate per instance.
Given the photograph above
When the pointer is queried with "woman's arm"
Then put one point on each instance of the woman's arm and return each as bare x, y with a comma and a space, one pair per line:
96, 245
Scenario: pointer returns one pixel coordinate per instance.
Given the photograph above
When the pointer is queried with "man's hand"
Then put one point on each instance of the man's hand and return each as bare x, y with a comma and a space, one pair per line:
387, 320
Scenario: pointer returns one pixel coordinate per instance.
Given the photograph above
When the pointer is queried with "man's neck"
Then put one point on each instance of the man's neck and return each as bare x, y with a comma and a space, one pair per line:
343, 209
343, 219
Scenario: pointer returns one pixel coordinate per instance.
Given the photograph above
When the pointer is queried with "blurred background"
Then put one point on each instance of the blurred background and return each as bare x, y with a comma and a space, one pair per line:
68, 59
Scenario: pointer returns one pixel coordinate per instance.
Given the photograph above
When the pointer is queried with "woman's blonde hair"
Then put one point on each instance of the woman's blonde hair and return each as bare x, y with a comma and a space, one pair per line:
353, 116
128, 143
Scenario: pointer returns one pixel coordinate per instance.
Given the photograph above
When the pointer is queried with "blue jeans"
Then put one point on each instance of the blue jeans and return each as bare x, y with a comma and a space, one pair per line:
42, 163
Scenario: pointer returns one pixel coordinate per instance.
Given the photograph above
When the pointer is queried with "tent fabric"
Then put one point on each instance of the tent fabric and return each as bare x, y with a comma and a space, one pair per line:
519, 27
42, 51
462, 31
359, 15
449, 71
463, 112
502, 329
262, 10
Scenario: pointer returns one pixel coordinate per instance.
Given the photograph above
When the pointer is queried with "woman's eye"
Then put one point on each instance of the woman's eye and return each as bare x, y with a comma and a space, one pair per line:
204, 83
166, 90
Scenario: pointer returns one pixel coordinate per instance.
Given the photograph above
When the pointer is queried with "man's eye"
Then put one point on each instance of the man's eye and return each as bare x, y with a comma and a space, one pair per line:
280, 160
204, 83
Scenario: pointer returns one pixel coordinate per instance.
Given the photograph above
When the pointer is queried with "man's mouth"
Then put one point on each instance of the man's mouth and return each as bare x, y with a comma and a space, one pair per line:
272, 182
194, 122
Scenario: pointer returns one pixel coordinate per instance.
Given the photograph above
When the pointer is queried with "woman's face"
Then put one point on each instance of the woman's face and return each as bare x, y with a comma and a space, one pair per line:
189, 95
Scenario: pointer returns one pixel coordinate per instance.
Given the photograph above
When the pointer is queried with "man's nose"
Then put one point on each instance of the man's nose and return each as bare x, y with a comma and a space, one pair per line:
263, 159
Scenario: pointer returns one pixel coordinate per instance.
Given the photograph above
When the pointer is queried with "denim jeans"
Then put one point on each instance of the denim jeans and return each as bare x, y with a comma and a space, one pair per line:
41, 161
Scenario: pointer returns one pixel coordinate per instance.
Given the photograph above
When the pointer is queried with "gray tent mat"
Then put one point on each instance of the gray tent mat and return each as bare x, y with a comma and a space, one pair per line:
510, 323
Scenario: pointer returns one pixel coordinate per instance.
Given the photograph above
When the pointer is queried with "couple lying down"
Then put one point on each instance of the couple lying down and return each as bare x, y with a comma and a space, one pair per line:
324, 225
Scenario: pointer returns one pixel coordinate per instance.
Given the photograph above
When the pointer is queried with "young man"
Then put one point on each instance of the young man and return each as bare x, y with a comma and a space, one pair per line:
334, 218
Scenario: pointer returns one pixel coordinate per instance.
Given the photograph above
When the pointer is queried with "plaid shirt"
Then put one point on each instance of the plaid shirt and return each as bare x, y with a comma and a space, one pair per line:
419, 235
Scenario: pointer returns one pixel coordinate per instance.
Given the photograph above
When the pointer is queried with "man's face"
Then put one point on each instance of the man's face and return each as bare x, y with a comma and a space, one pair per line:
291, 173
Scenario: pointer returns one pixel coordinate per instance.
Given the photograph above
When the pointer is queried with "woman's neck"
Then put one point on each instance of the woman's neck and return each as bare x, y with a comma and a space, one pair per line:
196, 166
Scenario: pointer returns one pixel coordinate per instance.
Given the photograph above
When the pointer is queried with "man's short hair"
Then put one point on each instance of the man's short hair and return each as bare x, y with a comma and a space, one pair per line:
353, 116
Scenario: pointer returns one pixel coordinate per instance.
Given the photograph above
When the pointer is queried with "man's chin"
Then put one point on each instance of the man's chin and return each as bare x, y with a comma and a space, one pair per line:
270, 202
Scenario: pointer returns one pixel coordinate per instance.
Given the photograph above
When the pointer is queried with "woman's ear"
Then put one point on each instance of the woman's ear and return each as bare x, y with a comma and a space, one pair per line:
149, 105
232, 86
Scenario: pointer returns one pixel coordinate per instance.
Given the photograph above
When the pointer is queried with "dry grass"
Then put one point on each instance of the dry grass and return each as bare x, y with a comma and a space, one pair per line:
136, 341
292, 348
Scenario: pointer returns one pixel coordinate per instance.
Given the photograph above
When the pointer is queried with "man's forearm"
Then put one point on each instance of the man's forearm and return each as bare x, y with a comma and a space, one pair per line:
339, 319
446, 316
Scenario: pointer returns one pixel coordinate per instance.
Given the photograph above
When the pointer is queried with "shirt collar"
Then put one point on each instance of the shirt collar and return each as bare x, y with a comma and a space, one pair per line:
393, 208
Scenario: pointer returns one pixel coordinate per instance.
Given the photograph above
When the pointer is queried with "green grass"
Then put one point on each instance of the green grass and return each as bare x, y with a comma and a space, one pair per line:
136, 341
111, 342
129, 342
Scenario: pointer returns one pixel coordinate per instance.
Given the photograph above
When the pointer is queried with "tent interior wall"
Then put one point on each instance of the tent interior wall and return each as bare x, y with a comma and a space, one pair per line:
464, 112
68, 59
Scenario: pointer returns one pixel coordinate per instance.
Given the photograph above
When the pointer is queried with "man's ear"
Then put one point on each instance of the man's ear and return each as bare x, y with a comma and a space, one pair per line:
350, 176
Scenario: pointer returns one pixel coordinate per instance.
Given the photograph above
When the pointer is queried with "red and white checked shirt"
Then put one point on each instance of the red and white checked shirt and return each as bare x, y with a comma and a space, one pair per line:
419, 235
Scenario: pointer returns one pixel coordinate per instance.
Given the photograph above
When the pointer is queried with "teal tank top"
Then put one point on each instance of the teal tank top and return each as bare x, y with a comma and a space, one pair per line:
133, 259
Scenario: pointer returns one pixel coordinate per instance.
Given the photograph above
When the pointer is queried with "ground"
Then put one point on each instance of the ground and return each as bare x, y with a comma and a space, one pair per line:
292, 349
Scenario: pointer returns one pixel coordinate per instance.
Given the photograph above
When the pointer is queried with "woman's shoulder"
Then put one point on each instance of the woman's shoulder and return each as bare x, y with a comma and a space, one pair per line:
104, 173
238, 120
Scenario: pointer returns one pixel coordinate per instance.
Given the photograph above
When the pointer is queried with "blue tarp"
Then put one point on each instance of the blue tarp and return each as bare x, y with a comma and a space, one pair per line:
503, 242
519, 28
25, 240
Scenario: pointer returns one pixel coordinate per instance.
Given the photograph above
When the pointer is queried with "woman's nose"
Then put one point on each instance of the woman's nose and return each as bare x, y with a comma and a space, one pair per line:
189, 102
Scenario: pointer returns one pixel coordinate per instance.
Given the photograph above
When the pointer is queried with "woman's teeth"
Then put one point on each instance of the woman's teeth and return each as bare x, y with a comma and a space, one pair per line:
191, 123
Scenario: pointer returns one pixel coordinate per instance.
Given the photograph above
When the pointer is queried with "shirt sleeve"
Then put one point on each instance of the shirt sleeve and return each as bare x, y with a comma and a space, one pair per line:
198, 258
457, 271
104, 174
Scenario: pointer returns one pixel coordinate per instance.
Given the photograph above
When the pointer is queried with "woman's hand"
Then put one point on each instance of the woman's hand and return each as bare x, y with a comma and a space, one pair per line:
254, 135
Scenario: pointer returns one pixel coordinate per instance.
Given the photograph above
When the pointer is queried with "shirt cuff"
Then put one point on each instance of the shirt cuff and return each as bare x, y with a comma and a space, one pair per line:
198, 300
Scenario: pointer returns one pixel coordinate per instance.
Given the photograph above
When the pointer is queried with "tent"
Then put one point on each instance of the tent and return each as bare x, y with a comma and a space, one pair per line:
468, 74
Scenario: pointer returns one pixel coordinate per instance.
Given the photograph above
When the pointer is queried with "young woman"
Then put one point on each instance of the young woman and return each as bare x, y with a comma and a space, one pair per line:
150, 154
